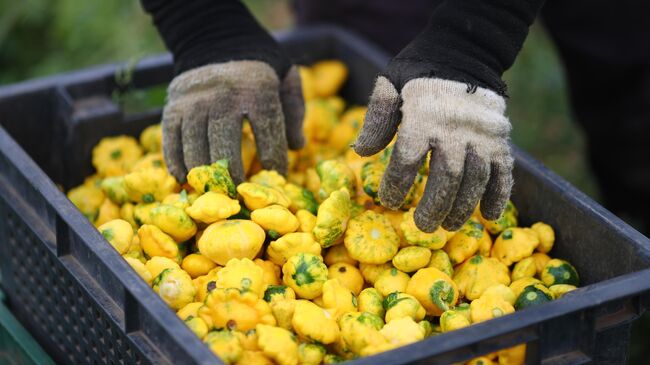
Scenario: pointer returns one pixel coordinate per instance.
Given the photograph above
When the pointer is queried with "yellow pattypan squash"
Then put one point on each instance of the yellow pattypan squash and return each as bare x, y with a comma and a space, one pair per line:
370, 300
175, 287
107, 212
314, 323
398, 305
157, 243
508, 219
234, 310
225, 345
173, 221
558, 290
157, 264
434, 289
371, 239
211, 207
307, 220
243, 275
328, 77
412, 258
440, 260
513, 356
280, 250
118, 233
305, 273
541, 259
433, 241
402, 331
149, 185
225, 240
270, 272
270, 178
335, 175
115, 189
311, 353
515, 244
275, 218
391, 280
465, 242
114, 156
451, 320
88, 199
338, 297
479, 273
524, 268
214, 177
348, 275
258, 196
371, 272
278, 344
338, 254
360, 330
139, 268
150, 161
151, 138
546, 236
197, 265
142, 213
332, 218
301, 198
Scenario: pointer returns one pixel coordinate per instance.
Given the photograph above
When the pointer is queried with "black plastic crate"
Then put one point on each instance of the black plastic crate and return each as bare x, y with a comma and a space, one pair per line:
84, 304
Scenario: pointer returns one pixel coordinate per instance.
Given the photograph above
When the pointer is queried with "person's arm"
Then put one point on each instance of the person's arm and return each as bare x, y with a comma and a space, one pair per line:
227, 68
444, 91
200, 32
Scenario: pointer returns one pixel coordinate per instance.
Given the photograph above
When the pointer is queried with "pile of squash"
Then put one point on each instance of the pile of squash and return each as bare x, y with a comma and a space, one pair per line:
310, 268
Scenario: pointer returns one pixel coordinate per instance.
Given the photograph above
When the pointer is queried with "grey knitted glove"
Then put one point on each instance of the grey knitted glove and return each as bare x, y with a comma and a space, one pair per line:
202, 120
467, 134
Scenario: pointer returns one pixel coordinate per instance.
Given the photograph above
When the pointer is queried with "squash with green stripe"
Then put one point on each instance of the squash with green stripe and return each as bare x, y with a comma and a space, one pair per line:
559, 271
301, 198
452, 320
399, 305
332, 218
305, 273
465, 243
335, 175
533, 295
508, 219
214, 177
434, 289
371, 300
360, 330
278, 292
371, 174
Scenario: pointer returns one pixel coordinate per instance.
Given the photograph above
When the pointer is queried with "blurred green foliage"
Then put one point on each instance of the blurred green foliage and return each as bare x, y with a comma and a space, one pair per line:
40, 37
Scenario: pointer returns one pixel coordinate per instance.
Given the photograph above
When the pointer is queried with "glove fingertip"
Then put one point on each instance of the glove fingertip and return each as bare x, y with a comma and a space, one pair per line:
424, 223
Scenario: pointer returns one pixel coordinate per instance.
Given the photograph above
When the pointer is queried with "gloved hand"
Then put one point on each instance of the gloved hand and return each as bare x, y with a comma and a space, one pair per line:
444, 92
202, 121
227, 68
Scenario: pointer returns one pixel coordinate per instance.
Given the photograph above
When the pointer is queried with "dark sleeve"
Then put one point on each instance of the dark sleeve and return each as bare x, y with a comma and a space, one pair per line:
471, 41
200, 32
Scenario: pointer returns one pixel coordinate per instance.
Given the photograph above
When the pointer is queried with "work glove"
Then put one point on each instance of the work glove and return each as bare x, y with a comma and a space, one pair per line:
443, 95
227, 69
202, 121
